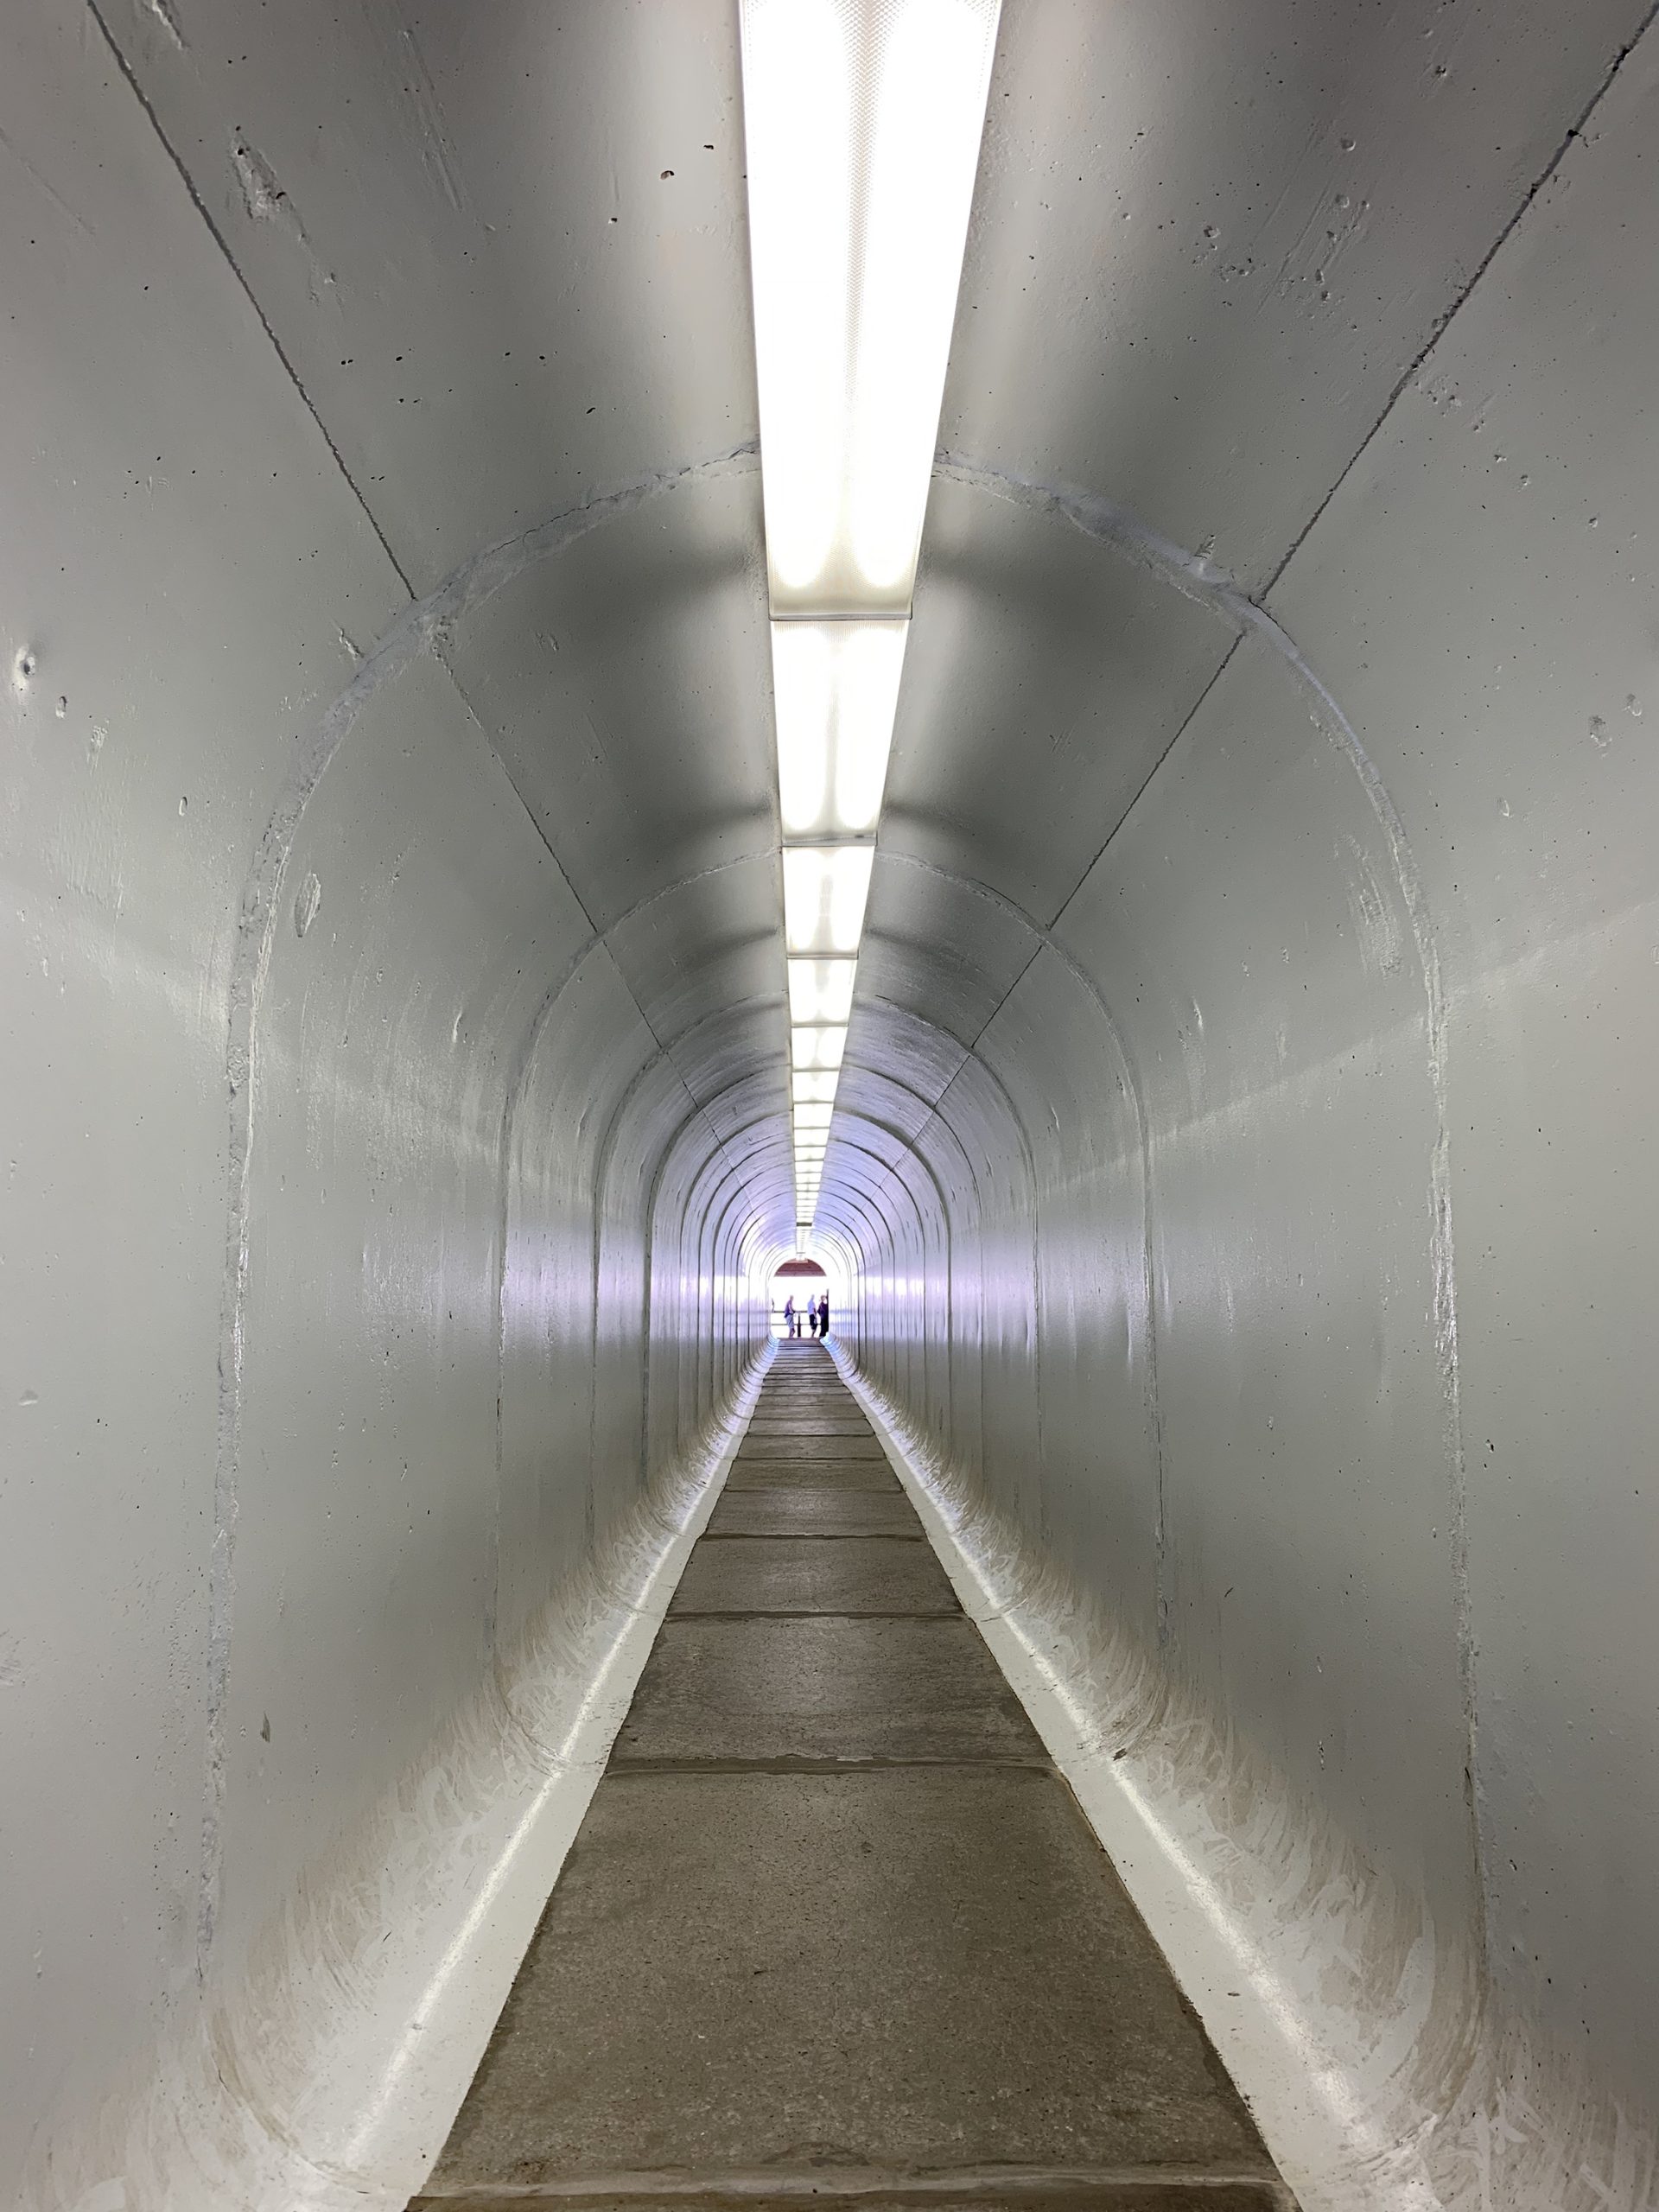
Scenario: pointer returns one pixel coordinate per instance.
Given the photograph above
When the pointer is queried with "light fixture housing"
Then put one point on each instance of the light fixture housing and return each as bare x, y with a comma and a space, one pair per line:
825, 888
819, 1047
820, 991
862, 124
834, 688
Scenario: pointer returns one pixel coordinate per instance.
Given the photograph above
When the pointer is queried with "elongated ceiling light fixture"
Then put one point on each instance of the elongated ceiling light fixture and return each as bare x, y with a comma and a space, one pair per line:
863, 120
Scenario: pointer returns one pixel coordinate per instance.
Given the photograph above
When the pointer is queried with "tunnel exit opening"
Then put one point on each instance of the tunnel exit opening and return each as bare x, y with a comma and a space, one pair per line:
797, 1286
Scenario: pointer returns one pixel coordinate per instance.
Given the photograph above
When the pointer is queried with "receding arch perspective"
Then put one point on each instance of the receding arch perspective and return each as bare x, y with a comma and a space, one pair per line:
1235, 1185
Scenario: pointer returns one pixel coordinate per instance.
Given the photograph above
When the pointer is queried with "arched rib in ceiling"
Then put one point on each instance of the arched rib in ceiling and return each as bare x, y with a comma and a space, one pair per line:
578, 311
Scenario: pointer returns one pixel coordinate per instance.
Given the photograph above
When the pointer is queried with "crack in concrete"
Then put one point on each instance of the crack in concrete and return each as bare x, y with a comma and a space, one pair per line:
1442, 322
95, 9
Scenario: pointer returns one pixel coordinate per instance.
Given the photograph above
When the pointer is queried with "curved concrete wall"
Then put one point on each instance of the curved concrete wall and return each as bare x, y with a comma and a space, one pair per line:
1259, 1270
1240, 1169
371, 1295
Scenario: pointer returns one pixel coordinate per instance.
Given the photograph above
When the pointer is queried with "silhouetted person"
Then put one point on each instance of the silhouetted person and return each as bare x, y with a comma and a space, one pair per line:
791, 1325
824, 1315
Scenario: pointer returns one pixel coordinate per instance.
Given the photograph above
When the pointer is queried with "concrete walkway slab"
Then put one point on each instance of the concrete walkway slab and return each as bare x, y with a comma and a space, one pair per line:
866, 1575
814, 1510
808, 1472
782, 1444
833, 1927
908, 1972
823, 1689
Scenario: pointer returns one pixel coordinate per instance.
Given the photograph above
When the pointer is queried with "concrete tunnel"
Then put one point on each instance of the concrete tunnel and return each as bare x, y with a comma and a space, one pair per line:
1235, 1182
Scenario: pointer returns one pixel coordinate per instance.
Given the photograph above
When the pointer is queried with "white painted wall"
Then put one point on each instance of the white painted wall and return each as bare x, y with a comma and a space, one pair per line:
1269, 1299
338, 1160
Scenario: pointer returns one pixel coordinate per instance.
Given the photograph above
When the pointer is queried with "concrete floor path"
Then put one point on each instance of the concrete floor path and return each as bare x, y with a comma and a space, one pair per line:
833, 1926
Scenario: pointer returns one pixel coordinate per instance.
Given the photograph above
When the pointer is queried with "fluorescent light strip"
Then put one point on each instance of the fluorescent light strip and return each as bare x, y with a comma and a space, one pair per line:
820, 991
862, 124
835, 689
825, 887
818, 1047
863, 120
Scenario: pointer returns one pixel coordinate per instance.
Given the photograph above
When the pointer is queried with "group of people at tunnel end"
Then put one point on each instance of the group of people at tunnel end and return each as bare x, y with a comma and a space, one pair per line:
816, 1318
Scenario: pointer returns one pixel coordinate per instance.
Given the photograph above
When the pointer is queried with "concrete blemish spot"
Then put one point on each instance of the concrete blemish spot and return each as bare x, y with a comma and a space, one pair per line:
23, 669
1381, 939
161, 11
1633, 707
306, 905
1598, 733
29, 1398
261, 193
267, 201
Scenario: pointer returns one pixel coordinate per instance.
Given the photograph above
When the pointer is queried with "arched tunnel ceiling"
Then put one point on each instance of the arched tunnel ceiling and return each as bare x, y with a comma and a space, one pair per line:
503, 254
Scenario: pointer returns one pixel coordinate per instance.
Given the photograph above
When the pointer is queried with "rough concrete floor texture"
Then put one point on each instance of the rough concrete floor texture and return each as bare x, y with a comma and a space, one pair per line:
833, 1926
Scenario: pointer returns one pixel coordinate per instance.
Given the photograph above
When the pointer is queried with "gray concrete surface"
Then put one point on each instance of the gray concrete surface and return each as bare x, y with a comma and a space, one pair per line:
822, 1688
814, 1512
868, 1471
801, 1445
866, 1575
919, 1976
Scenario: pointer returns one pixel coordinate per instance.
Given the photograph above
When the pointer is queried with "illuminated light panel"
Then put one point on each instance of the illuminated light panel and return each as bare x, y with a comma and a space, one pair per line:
835, 691
863, 126
799, 155
862, 123
825, 888
817, 1048
821, 991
